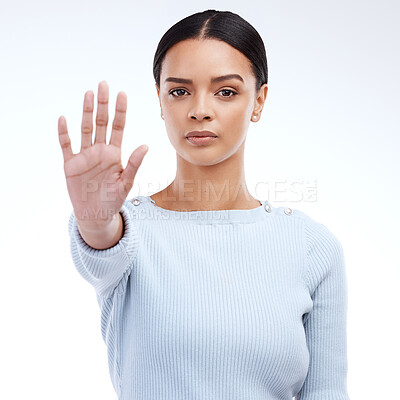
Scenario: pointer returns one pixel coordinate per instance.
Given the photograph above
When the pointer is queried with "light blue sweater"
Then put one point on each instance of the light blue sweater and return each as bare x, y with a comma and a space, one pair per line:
220, 305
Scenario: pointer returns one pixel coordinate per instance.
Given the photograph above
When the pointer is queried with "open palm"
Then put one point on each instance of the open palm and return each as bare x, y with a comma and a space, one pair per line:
97, 183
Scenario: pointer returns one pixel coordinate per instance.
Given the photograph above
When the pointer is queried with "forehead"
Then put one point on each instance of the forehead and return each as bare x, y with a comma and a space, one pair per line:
204, 58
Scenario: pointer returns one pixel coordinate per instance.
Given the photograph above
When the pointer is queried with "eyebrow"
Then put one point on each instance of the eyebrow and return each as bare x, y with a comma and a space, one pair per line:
213, 80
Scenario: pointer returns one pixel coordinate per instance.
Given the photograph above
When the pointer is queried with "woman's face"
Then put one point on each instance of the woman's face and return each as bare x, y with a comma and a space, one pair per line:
191, 100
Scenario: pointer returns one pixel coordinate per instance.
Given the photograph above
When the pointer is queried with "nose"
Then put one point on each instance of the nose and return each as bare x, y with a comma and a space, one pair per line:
200, 108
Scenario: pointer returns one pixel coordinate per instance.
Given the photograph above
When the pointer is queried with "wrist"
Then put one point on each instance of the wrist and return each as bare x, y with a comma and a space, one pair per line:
105, 235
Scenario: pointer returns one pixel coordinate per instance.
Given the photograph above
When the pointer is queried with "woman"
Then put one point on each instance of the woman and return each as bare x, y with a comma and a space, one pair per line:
205, 292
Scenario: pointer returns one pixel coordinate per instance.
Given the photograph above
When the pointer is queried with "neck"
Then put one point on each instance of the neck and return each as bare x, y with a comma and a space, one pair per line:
208, 187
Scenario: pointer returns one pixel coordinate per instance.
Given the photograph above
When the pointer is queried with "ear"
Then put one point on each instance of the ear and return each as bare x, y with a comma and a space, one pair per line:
261, 96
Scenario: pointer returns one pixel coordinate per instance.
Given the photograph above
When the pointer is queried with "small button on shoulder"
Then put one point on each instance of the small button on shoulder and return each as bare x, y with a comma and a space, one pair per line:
288, 211
135, 201
267, 207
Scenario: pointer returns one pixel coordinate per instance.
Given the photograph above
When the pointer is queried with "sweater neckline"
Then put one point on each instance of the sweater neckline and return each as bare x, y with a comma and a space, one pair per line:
207, 216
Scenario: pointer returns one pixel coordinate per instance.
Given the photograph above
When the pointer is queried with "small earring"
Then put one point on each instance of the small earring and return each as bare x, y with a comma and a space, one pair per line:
162, 115
254, 117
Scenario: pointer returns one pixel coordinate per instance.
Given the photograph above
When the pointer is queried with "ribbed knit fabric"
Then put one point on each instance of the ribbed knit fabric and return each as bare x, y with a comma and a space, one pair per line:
220, 305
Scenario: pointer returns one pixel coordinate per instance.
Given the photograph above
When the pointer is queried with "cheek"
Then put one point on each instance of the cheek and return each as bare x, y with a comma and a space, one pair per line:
235, 118
176, 114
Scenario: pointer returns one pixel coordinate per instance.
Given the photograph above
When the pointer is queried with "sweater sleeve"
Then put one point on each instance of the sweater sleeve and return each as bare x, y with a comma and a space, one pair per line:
326, 324
104, 269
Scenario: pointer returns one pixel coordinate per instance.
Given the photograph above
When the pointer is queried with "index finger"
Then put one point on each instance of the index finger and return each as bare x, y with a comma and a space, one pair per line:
87, 120
64, 139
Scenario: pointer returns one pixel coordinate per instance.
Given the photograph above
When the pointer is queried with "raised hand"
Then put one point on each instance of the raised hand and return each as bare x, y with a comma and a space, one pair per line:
97, 183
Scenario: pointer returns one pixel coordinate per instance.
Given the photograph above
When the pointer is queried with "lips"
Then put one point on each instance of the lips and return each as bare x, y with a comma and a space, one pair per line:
201, 140
201, 134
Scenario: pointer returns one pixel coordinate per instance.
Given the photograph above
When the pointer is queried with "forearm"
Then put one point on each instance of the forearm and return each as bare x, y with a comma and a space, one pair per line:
102, 237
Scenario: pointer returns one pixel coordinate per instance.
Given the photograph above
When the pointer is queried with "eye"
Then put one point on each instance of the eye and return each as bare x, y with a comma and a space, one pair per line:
177, 90
228, 90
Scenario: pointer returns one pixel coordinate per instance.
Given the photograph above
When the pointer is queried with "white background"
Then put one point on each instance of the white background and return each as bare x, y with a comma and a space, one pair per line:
331, 119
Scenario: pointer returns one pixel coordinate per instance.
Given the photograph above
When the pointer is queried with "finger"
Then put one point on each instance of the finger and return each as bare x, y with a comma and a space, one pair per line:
87, 120
136, 158
119, 120
64, 139
102, 113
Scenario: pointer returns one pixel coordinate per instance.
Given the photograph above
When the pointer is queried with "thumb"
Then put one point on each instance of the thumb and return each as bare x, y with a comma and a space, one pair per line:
134, 162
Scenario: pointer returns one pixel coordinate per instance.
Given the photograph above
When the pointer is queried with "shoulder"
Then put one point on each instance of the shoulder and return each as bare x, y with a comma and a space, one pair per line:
323, 251
321, 242
317, 235
318, 238
324, 254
